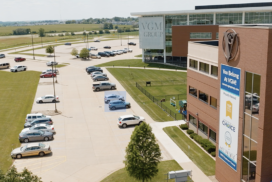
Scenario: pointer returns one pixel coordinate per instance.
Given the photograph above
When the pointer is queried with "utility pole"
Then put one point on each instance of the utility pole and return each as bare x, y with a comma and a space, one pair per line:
56, 111
55, 64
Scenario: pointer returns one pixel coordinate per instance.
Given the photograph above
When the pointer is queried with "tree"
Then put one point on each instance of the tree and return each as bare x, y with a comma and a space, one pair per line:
72, 33
84, 53
13, 175
119, 30
49, 49
106, 26
116, 27
84, 33
107, 31
101, 31
110, 26
74, 52
142, 153
41, 32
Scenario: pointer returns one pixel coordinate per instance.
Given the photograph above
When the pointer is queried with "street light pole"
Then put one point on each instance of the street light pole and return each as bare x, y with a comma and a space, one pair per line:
56, 111
55, 65
32, 46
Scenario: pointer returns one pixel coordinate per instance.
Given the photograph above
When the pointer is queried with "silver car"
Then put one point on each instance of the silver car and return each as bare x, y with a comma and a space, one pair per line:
2, 56
50, 71
41, 127
112, 97
32, 149
93, 74
96, 56
35, 135
100, 78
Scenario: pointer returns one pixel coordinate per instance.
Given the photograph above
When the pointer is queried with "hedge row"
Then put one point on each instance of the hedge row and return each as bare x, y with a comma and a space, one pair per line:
184, 126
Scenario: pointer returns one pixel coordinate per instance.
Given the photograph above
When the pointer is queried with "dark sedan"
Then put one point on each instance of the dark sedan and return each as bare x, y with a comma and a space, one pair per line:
103, 54
132, 43
107, 47
110, 53
35, 135
93, 70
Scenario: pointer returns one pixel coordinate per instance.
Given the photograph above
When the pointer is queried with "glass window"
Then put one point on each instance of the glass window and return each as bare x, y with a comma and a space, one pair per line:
246, 146
213, 102
203, 96
203, 127
204, 67
254, 129
245, 169
252, 171
201, 19
248, 82
193, 64
247, 122
256, 84
201, 35
258, 17
228, 18
212, 135
253, 150
217, 35
192, 120
214, 70
192, 91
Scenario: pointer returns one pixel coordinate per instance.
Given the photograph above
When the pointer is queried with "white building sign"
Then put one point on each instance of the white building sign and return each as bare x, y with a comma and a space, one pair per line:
229, 115
151, 32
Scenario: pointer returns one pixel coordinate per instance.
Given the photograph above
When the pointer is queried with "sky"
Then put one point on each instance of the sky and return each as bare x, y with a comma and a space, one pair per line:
27, 10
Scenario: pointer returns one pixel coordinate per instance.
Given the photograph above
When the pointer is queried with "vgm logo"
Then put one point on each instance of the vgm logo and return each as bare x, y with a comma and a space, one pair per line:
152, 29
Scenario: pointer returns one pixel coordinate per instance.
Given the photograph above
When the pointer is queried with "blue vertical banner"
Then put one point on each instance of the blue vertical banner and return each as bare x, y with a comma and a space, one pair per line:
229, 115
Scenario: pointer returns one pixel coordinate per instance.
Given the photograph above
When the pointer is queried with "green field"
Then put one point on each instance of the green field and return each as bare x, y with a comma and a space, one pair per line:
164, 167
195, 153
138, 63
129, 77
17, 92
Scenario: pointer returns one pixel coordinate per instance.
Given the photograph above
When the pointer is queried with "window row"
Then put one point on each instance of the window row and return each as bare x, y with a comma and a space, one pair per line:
203, 97
202, 127
201, 35
204, 67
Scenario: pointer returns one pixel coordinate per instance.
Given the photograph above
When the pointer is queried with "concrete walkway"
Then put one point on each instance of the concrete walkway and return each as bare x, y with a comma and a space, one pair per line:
163, 69
175, 152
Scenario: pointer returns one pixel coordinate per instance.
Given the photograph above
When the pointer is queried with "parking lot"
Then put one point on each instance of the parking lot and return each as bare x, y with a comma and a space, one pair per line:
88, 145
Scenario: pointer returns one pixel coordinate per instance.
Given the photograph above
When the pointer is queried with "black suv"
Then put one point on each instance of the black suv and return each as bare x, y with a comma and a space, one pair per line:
38, 121
110, 53
103, 54
91, 67
107, 47
132, 43
90, 70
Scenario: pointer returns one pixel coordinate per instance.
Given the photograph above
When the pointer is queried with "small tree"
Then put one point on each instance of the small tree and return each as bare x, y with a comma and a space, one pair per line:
101, 31
41, 32
13, 175
49, 49
84, 33
72, 33
74, 52
142, 153
116, 27
95, 32
84, 53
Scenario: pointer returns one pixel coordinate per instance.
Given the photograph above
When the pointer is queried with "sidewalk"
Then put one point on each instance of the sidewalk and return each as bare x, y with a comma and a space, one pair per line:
175, 152
162, 69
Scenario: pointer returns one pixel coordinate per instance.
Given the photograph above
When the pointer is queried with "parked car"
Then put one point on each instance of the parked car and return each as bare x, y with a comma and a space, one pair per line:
124, 51
107, 47
19, 59
110, 53
18, 68
68, 43
91, 67
96, 56
112, 97
97, 41
2, 56
90, 70
118, 104
4, 65
100, 78
93, 48
38, 121
116, 52
41, 127
128, 50
50, 63
47, 98
50, 70
103, 54
32, 149
35, 135
124, 121
121, 51
255, 108
97, 73
31, 117
47, 75
103, 86
132, 43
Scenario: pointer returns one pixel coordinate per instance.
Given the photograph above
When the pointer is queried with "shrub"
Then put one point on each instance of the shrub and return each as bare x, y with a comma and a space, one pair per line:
184, 126
210, 148
190, 131
204, 143
198, 139
213, 154
193, 135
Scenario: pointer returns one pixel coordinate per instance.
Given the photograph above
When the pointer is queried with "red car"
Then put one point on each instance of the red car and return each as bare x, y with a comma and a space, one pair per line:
47, 75
19, 59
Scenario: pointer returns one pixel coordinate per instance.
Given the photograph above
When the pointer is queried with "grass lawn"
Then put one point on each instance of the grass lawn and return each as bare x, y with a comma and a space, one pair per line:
17, 92
196, 154
139, 56
129, 77
164, 167
62, 65
137, 63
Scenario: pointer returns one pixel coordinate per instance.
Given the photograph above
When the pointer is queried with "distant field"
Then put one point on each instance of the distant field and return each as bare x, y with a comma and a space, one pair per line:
59, 28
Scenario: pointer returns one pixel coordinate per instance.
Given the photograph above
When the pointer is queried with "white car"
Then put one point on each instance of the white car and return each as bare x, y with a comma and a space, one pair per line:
93, 74
128, 50
31, 117
50, 63
50, 70
18, 68
47, 98
42, 127
93, 48
121, 51
116, 52
124, 121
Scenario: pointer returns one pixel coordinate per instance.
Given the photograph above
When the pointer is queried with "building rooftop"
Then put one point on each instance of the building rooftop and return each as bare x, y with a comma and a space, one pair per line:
243, 5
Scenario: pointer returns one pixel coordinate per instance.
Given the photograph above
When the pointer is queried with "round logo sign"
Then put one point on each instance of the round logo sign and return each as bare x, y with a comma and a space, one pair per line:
228, 139
230, 44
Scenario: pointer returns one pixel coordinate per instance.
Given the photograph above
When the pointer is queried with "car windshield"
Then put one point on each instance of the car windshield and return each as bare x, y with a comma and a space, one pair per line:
41, 145
43, 116
137, 117
119, 119
15, 67
23, 148
43, 97
32, 127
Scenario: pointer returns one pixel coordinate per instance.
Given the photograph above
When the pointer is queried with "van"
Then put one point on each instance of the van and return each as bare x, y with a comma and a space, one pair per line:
31, 117
4, 65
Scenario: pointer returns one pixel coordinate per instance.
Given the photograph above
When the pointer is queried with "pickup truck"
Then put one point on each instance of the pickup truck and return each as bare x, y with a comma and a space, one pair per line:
18, 68
103, 86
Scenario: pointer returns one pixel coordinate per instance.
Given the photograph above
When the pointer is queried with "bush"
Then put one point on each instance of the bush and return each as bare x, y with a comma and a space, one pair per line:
184, 126
198, 139
213, 154
210, 148
190, 131
193, 135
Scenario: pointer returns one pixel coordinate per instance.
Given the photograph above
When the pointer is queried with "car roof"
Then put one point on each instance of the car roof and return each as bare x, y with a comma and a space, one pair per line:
104, 82
49, 95
126, 116
40, 125
111, 95
34, 114
33, 145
